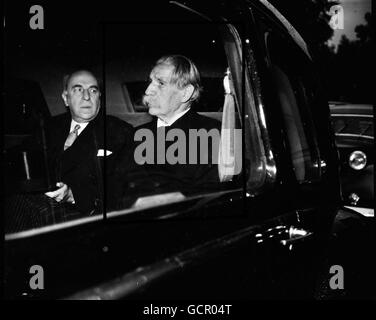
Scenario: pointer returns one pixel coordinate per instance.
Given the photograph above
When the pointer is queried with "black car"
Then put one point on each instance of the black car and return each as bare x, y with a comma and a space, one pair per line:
262, 232
353, 127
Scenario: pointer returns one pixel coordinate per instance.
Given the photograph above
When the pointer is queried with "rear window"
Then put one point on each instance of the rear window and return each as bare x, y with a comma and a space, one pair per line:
350, 125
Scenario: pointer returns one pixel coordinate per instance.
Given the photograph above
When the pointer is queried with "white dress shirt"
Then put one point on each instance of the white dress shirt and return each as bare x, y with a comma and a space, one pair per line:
82, 126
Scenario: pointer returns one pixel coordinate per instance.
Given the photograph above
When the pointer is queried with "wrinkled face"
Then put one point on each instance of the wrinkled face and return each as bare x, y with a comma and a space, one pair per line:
163, 98
82, 96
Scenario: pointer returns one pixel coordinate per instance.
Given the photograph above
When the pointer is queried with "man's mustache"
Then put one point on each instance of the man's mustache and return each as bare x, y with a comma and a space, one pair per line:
148, 100
145, 100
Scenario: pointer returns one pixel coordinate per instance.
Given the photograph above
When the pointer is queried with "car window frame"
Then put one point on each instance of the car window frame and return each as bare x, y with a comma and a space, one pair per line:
267, 24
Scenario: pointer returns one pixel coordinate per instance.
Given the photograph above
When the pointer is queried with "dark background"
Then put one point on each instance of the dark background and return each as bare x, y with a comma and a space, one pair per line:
346, 72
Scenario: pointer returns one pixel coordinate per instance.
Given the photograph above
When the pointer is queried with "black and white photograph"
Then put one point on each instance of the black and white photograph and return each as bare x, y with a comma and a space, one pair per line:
184, 156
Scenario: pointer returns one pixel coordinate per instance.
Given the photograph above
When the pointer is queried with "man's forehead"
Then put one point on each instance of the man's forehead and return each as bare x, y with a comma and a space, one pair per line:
82, 78
162, 71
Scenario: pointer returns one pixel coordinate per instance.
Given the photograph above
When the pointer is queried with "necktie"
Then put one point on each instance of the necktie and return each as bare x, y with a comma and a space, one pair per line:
71, 137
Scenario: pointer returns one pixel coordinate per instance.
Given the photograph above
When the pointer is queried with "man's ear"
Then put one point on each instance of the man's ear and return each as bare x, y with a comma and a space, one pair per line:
188, 92
64, 96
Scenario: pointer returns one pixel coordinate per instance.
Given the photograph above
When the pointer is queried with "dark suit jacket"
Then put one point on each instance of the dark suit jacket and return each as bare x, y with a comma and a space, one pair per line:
79, 166
185, 177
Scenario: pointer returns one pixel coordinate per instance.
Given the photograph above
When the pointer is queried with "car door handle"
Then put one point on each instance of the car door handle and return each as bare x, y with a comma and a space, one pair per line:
296, 235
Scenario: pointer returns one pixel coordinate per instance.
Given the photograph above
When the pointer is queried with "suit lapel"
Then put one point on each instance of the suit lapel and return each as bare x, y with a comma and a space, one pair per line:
186, 121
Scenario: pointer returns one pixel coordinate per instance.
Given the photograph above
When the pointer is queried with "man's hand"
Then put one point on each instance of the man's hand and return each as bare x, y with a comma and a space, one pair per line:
63, 194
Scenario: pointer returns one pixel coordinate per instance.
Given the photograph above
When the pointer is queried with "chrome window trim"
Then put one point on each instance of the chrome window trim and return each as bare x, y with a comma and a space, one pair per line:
252, 92
351, 135
112, 214
353, 115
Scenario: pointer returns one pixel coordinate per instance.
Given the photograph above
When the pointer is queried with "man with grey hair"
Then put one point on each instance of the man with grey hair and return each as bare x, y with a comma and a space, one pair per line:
174, 86
172, 94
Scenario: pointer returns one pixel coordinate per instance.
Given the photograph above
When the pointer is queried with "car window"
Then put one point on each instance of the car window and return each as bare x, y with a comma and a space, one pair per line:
130, 63
353, 125
216, 49
215, 44
296, 93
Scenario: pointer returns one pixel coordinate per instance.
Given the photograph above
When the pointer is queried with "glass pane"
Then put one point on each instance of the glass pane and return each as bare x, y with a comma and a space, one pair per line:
296, 93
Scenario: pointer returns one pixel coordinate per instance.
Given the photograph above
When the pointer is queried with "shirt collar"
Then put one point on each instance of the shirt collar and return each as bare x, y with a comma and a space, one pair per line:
82, 126
161, 123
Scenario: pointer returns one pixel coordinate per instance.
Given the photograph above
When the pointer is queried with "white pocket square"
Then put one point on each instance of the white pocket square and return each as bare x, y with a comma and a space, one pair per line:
101, 153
